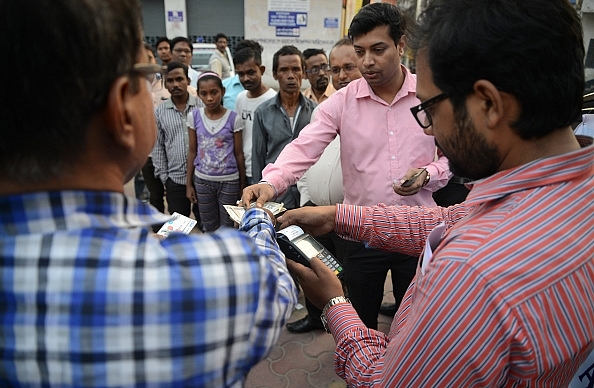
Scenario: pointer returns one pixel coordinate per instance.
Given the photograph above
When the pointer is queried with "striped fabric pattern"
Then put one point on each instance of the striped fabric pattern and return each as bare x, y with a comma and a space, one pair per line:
89, 297
170, 153
507, 299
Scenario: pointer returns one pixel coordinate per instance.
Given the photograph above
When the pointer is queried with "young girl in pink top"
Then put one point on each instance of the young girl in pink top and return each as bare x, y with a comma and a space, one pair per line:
216, 166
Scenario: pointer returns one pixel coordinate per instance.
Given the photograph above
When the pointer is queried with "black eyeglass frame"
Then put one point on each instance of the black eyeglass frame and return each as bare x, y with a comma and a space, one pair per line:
147, 69
317, 69
143, 69
348, 68
423, 106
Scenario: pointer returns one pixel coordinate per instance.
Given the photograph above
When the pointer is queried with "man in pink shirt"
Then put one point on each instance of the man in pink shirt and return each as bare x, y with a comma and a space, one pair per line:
381, 145
504, 291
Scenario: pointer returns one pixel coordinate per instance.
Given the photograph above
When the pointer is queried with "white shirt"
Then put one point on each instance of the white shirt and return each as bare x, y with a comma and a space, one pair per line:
322, 182
245, 108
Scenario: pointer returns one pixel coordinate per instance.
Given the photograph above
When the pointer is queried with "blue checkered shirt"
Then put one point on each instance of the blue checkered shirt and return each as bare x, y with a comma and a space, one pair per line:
89, 297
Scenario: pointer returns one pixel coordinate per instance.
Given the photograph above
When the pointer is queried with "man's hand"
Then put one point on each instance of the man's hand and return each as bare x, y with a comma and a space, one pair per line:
315, 220
191, 194
319, 283
404, 188
260, 193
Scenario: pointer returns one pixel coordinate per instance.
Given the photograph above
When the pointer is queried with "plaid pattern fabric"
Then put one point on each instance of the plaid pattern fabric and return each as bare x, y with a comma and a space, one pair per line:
90, 298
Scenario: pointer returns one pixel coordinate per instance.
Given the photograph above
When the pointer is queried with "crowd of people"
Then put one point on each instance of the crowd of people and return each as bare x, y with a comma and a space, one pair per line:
465, 181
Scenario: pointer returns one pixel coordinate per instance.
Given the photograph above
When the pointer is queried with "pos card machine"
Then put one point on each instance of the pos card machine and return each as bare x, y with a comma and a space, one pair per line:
301, 247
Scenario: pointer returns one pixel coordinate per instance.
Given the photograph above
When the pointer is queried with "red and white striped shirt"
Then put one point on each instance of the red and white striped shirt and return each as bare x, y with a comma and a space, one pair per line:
505, 300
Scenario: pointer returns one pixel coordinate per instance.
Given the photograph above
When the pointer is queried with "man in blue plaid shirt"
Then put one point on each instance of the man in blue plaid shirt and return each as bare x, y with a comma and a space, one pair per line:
89, 296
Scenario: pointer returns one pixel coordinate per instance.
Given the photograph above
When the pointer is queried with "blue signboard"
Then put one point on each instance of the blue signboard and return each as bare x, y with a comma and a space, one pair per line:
288, 31
175, 16
287, 19
330, 22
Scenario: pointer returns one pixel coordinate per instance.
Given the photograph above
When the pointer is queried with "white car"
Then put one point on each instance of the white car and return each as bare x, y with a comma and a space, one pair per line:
201, 54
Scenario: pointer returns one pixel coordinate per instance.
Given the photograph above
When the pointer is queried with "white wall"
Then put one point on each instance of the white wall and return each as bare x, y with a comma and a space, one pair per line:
314, 35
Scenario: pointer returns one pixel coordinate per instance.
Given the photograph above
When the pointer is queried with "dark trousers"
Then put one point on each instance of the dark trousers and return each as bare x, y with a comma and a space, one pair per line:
332, 243
178, 202
365, 272
454, 192
154, 186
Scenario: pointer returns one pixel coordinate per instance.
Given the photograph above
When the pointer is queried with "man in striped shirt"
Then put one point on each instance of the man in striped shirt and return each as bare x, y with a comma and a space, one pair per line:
504, 291
170, 154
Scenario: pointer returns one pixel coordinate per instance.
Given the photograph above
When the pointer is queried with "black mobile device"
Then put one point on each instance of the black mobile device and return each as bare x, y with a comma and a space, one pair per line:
301, 247
413, 178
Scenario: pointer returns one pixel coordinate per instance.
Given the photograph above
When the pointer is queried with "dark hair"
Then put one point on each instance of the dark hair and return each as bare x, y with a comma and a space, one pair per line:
375, 15
248, 43
178, 65
308, 53
161, 40
246, 50
532, 50
207, 76
178, 39
149, 48
219, 36
66, 82
286, 50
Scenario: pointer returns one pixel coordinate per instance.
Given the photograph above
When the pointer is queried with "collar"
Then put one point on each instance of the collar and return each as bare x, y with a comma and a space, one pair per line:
46, 212
192, 102
308, 93
570, 166
279, 104
227, 82
409, 86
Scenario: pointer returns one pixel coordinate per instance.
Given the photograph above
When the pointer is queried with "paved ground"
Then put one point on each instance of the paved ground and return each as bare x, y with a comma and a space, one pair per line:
305, 360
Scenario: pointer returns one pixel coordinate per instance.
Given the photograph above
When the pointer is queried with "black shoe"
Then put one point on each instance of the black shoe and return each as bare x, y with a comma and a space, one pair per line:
388, 309
305, 325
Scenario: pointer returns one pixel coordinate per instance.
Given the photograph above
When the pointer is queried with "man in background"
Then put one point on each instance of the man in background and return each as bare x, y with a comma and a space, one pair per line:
89, 296
317, 71
249, 69
181, 51
163, 48
218, 61
170, 154
280, 120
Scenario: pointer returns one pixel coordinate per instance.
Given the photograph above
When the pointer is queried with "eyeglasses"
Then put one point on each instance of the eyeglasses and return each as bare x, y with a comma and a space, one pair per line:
148, 71
347, 69
317, 69
420, 112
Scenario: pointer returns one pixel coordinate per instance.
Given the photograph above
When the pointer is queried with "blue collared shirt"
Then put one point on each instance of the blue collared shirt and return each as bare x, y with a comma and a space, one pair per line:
90, 297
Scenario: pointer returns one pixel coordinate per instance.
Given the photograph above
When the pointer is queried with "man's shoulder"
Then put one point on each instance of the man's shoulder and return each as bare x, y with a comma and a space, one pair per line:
241, 97
163, 107
215, 56
267, 104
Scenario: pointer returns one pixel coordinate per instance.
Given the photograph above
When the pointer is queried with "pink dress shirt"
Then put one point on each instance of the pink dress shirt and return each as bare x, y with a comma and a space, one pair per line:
379, 142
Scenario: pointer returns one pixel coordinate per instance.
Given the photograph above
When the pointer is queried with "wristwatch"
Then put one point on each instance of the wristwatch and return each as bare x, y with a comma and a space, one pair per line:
331, 302
427, 178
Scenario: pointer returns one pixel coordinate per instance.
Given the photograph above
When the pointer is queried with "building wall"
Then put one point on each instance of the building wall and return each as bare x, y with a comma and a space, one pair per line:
205, 19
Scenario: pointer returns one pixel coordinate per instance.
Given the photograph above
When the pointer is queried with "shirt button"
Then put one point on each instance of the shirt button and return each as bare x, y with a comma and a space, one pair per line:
393, 157
391, 133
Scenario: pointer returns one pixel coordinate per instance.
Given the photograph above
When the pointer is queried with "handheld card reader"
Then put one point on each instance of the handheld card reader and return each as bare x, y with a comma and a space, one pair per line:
301, 247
